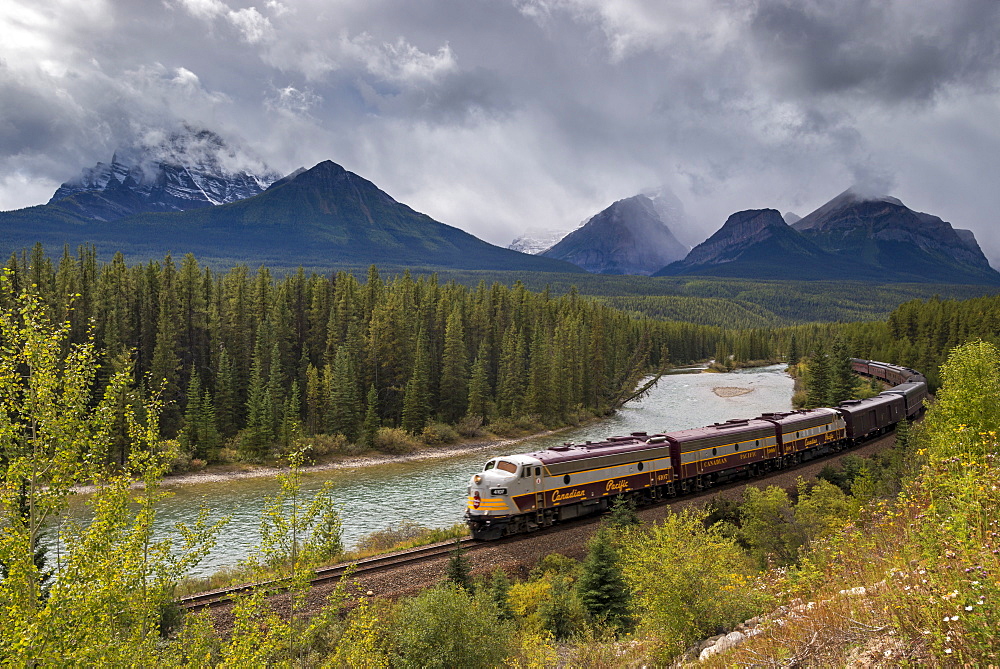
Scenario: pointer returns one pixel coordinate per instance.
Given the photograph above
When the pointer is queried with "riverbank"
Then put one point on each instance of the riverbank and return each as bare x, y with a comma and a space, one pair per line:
230, 472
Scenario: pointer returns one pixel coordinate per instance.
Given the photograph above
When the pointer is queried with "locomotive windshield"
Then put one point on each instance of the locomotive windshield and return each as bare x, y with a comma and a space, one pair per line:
489, 465
507, 466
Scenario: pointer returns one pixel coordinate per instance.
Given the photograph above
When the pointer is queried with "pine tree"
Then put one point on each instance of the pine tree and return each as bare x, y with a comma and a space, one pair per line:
344, 413
208, 428
291, 426
165, 361
227, 402
793, 351
457, 570
539, 396
370, 427
315, 404
415, 403
843, 382
260, 412
510, 378
453, 394
499, 592
190, 437
479, 388
818, 392
602, 587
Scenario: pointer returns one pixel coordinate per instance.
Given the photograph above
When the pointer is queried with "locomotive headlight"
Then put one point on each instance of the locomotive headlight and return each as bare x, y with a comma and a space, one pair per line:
477, 478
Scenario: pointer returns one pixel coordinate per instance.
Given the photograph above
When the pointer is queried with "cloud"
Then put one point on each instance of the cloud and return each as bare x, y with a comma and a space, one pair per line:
498, 116
254, 26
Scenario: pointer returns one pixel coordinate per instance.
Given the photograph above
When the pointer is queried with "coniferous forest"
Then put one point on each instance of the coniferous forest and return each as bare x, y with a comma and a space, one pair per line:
248, 361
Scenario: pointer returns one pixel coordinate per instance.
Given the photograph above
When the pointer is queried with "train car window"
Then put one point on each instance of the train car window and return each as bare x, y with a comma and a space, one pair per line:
507, 466
526, 472
538, 471
757, 443
566, 479
714, 451
489, 465
640, 466
737, 447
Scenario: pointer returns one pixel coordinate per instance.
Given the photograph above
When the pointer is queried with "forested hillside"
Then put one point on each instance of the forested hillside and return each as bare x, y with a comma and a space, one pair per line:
250, 360
735, 303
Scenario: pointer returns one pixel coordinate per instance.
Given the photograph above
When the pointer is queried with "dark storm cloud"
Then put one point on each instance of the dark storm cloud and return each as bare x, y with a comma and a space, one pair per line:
888, 51
498, 116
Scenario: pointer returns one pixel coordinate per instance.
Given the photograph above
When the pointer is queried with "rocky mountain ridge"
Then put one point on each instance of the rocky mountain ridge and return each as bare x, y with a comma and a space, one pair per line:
628, 237
188, 169
322, 217
849, 237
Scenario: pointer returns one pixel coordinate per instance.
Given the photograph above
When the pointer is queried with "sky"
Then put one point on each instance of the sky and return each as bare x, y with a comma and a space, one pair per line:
505, 116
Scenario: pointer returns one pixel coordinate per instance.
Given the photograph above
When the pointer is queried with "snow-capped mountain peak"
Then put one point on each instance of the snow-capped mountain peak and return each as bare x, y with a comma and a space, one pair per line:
186, 169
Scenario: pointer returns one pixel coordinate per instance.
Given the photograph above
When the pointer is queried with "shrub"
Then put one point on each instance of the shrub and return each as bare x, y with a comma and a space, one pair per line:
439, 433
445, 625
395, 441
503, 427
688, 582
322, 444
470, 427
407, 534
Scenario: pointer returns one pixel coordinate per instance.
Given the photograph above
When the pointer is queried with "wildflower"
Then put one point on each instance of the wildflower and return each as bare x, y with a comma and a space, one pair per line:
947, 651
954, 617
968, 608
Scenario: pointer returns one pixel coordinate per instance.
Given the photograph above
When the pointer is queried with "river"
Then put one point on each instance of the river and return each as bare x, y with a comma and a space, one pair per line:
432, 492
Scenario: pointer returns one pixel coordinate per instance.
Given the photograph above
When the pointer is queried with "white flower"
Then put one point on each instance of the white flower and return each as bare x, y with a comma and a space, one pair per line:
968, 608
947, 651
954, 617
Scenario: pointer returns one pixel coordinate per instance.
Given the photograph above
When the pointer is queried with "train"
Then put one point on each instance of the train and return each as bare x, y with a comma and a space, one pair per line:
524, 492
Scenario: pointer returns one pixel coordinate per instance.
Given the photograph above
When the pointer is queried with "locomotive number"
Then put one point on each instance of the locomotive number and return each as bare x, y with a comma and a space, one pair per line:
498, 491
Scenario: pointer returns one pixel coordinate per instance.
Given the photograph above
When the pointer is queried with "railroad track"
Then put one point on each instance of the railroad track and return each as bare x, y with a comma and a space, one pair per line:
222, 596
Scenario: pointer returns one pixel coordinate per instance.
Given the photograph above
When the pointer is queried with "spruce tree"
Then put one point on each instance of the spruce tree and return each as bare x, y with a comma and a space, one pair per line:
457, 570
602, 587
370, 427
415, 398
499, 592
793, 351
344, 413
539, 399
188, 436
453, 393
819, 379
259, 430
291, 425
208, 428
315, 403
227, 403
479, 388
843, 382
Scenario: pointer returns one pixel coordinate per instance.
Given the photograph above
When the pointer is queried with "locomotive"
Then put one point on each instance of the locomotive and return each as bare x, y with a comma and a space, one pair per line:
528, 491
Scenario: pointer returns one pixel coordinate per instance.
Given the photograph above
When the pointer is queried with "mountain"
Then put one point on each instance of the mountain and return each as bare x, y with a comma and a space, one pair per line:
537, 241
628, 237
671, 211
189, 169
885, 233
758, 244
321, 217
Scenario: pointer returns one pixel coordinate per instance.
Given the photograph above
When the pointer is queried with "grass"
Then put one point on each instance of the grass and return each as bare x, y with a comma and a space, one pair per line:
391, 539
